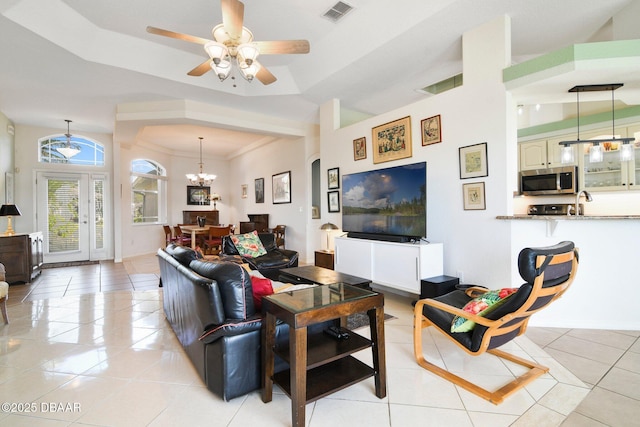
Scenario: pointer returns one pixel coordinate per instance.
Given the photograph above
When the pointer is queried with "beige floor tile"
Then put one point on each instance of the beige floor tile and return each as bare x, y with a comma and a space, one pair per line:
609, 408
623, 382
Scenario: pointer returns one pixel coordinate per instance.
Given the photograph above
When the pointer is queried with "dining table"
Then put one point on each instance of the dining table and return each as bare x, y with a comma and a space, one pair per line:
195, 230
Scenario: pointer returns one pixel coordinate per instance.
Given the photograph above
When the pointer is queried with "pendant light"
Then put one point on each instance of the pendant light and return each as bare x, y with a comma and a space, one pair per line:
596, 154
200, 178
67, 150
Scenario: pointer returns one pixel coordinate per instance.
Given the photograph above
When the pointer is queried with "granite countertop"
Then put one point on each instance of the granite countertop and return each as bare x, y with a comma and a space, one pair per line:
566, 217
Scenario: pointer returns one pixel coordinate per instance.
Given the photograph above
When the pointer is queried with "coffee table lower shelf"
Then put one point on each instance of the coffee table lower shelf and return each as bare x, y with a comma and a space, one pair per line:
329, 378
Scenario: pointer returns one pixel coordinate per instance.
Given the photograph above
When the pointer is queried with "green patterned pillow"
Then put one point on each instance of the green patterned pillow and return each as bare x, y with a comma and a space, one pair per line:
249, 244
481, 306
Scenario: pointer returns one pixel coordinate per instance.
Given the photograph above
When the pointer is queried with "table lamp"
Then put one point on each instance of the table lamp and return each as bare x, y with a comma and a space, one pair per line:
328, 227
9, 211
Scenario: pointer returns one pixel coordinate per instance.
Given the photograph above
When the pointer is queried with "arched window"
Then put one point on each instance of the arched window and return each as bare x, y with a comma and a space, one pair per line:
74, 150
148, 191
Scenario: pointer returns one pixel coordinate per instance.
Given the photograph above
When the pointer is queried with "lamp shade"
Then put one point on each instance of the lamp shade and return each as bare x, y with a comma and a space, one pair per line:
329, 226
9, 210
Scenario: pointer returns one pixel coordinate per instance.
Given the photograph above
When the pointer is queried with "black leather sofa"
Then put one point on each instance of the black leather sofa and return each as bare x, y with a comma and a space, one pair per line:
269, 264
210, 307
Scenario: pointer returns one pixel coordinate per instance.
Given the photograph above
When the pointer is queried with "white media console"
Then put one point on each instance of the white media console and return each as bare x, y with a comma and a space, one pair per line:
395, 265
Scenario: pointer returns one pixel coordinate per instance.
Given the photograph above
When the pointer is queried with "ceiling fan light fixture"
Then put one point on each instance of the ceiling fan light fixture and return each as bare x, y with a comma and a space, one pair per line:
222, 69
216, 51
249, 71
247, 54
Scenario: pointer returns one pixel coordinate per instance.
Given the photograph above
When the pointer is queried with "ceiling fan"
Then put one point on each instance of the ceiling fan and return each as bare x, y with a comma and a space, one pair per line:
233, 44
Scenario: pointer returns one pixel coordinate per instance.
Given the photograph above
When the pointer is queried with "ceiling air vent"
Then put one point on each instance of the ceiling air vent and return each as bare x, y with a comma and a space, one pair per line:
337, 11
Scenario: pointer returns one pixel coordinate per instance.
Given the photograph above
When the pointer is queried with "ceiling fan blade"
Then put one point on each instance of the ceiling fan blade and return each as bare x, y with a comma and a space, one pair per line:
233, 17
282, 46
265, 76
201, 69
179, 36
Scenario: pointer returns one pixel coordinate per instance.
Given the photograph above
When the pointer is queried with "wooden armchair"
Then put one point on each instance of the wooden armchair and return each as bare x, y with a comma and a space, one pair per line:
279, 231
213, 241
547, 272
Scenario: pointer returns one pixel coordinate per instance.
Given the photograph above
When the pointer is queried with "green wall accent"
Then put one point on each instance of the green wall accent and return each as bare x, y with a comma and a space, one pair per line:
586, 120
575, 53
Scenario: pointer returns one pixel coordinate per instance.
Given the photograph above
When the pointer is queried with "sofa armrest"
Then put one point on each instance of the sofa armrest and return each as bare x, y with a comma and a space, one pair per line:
231, 328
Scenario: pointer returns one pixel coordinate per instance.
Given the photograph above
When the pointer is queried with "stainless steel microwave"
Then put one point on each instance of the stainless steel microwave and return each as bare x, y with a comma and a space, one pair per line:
538, 182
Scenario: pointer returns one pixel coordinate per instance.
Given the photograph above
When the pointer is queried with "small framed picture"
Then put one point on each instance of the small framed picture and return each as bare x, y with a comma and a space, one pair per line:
333, 178
473, 161
473, 196
197, 195
431, 131
259, 190
281, 187
243, 191
334, 201
360, 148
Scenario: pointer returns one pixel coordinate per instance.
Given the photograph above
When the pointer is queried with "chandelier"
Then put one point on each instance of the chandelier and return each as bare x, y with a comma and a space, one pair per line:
224, 52
595, 151
67, 150
201, 178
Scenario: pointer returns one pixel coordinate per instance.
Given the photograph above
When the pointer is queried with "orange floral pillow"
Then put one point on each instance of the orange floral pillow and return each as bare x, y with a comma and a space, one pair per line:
249, 244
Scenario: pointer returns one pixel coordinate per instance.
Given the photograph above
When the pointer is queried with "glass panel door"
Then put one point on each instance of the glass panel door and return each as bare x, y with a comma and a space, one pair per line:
63, 216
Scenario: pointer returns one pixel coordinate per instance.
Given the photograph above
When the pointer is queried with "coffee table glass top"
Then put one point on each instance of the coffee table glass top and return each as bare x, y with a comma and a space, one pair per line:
318, 296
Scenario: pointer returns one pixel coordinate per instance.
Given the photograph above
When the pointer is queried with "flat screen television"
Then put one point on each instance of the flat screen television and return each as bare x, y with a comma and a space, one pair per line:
386, 204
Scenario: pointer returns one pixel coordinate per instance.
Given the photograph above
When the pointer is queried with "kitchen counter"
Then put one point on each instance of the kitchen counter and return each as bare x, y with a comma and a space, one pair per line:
566, 217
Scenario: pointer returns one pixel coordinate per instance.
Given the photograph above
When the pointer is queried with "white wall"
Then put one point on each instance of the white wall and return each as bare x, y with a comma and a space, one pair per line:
6, 158
474, 113
282, 155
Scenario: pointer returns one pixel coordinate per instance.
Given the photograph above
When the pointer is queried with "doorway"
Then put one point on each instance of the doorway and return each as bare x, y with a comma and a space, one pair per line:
71, 215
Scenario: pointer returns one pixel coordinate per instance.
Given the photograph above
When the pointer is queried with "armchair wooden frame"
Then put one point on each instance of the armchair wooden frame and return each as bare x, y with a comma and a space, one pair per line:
513, 323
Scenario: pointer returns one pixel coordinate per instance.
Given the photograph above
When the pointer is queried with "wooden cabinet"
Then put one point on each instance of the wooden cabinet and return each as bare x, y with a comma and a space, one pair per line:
324, 259
22, 256
543, 153
190, 217
395, 265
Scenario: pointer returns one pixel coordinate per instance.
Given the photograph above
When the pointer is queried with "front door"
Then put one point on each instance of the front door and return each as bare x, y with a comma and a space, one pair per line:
63, 206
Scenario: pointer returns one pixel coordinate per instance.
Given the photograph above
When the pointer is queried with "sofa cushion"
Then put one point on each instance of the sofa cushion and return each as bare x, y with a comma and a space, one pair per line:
234, 284
248, 244
182, 254
261, 287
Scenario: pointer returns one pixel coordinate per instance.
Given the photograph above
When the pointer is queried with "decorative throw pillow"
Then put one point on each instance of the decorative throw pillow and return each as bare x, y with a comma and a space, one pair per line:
248, 244
261, 287
481, 306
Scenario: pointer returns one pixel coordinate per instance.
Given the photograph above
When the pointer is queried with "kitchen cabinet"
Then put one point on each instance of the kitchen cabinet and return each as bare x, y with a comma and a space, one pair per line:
612, 174
542, 153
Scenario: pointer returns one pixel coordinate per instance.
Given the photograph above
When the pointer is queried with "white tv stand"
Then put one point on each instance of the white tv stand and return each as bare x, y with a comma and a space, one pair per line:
395, 265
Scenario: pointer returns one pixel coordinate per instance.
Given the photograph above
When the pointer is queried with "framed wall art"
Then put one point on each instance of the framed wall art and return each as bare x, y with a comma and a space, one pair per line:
431, 130
244, 191
197, 195
392, 141
360, 148
333, 178
473, 161
259, 184
281, 187
473, 196
334, 201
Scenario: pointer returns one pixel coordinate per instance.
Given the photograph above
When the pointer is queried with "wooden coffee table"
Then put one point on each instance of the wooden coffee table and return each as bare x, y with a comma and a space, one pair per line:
318, 363
321, 276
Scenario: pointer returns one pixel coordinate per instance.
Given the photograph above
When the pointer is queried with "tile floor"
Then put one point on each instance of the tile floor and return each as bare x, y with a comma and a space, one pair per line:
89, 345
